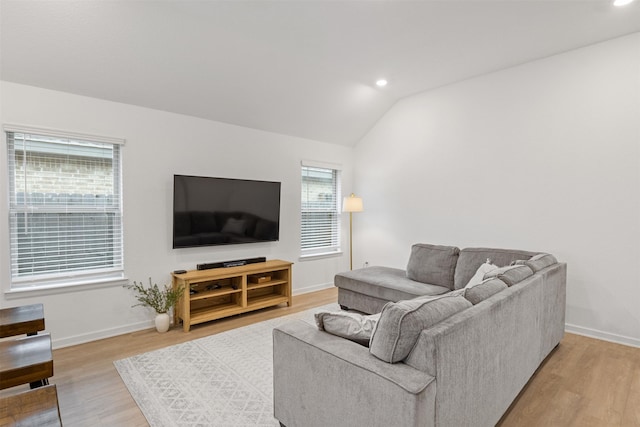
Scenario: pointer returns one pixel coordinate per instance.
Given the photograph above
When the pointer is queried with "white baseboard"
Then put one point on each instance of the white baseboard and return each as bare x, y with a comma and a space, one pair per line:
605, 336
313, 288
98, 335
134, 327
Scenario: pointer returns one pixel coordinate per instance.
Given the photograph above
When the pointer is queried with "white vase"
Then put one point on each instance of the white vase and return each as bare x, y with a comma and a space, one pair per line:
162, 322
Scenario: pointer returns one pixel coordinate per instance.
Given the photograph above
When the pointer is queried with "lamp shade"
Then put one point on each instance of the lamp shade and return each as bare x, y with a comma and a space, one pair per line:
352, 204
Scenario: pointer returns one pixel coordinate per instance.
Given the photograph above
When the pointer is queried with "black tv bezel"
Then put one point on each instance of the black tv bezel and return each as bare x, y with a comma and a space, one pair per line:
173, 222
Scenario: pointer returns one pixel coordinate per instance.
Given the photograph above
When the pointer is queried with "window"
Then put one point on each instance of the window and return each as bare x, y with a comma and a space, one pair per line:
320, 231
65, 210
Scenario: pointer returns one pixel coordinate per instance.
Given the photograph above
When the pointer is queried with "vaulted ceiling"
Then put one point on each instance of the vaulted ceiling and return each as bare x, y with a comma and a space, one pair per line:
301, 68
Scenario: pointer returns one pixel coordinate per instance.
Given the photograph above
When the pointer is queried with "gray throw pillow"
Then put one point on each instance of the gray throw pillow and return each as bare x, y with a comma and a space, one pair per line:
540, 261
401, 322
433, 264
352, 326
510, 274
484, 290
537, 262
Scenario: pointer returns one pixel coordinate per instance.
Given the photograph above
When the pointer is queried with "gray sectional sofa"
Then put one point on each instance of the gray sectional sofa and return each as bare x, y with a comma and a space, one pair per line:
442, 352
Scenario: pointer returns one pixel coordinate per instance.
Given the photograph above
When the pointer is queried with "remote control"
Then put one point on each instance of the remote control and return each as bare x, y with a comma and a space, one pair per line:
179, 271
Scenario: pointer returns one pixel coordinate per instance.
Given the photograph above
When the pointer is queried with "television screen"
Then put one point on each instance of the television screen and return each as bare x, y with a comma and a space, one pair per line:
221, 211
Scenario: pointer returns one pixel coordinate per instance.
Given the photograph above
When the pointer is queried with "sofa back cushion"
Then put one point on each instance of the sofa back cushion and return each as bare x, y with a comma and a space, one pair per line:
484, 290
401, 322
538, 262
433, 264
471, 258
510, 274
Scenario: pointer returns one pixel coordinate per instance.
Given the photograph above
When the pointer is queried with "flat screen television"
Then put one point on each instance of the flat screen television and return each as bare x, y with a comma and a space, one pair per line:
211, 211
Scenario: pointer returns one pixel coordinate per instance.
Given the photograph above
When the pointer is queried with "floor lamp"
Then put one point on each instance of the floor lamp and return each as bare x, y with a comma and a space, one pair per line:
351, 204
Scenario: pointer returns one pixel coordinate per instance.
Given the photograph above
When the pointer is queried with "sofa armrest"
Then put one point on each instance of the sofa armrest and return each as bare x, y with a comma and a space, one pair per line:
320, 379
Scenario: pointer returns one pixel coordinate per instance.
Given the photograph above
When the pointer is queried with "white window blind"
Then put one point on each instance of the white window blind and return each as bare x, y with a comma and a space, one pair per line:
65, 210
320, 231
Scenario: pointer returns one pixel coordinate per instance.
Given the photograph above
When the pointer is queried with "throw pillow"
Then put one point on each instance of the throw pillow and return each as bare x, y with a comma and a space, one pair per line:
401, 322
352, 326
433, 264
540, 261
479, 276
537, 262
510, 274
484, 290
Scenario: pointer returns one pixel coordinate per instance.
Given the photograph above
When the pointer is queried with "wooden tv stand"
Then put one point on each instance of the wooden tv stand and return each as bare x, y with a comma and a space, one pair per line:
222, 292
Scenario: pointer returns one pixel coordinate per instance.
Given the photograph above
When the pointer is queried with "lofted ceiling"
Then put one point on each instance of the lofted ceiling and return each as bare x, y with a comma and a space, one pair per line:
301, 68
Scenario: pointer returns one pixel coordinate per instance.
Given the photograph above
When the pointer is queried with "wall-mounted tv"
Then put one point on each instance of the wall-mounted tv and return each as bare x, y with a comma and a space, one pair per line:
211, 211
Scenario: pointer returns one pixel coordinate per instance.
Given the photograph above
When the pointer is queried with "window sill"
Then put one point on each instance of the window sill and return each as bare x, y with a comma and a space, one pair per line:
41, 290
320, 256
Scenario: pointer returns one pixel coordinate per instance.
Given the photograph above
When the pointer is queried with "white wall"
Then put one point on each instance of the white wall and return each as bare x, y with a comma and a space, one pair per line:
158, 145
543, 156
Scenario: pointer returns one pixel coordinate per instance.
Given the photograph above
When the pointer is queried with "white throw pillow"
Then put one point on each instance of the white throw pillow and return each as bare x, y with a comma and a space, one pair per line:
352, 326
479, 276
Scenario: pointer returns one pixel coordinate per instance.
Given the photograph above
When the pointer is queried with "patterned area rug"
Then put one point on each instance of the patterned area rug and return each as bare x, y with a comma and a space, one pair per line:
220, 380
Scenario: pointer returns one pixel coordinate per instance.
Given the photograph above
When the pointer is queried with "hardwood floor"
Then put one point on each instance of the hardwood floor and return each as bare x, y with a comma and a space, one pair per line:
584, 382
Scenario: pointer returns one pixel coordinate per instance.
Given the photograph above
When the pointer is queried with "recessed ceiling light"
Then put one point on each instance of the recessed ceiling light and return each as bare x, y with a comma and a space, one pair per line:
621, 2
381, 83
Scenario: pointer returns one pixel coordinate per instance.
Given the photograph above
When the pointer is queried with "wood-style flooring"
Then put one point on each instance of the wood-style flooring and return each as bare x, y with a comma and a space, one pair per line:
584, 382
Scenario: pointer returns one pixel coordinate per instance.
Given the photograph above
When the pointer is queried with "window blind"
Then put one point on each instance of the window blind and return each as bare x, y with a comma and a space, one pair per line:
320, 231
65, 209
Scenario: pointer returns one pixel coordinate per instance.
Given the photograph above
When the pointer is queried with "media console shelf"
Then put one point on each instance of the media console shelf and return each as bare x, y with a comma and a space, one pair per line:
220, 292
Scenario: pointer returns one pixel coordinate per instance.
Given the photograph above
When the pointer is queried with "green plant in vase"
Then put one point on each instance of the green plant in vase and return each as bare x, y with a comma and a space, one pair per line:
160, 299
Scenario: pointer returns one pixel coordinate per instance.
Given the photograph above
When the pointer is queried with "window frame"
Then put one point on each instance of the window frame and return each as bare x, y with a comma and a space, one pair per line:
76, 278
335, 248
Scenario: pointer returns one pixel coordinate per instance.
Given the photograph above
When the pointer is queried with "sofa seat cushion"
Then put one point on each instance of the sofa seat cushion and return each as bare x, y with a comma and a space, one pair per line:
484, 290
352, 326
401, 323
471, 258
433, 264
511, 274
389, 284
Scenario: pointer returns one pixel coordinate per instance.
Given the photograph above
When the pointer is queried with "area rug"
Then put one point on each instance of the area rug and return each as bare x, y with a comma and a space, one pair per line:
220, 380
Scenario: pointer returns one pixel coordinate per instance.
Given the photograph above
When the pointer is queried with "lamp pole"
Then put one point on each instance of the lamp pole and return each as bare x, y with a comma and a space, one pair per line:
351, 204
350, 240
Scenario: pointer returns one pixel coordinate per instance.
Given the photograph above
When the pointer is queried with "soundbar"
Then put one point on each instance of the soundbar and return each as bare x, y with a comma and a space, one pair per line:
224, 264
